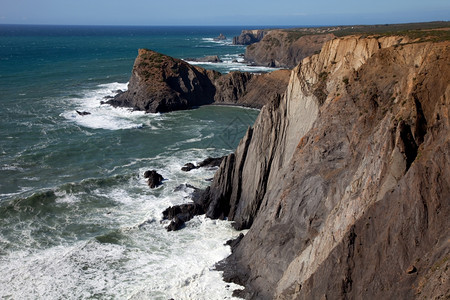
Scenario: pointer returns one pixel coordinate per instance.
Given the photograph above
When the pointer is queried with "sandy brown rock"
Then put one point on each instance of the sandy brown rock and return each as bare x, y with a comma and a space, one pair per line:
345, 179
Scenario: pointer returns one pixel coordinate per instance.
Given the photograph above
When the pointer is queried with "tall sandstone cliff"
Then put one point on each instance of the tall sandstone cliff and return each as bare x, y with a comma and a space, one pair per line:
344, 181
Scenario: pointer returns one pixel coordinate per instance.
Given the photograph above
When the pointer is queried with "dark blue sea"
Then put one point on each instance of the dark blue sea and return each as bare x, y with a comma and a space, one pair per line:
77, 219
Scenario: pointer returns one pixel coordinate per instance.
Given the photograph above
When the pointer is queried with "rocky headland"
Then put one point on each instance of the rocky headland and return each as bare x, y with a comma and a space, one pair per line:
160, 83
344, 179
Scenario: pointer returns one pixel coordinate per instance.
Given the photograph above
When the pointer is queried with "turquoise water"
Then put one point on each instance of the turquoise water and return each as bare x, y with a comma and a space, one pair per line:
76, 217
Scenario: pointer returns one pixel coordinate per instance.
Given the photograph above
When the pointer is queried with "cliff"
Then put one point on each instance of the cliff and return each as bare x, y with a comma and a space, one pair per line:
248, 37
287, 47
160, 83
344, 181
280, 48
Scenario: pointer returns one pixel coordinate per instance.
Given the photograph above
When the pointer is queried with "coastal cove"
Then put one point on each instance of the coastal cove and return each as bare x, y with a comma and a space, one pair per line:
76, 216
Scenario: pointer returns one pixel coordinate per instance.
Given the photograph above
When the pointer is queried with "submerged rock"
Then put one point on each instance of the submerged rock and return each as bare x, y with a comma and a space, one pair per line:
154, 179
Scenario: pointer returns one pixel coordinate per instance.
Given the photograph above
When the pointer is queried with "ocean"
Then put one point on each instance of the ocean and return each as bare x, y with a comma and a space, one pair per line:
77, 220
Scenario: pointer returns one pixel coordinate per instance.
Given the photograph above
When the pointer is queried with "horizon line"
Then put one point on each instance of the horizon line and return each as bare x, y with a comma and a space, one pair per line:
239, 25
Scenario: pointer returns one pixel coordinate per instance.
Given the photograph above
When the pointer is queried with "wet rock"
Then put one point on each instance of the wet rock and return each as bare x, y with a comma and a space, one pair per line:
210, 162
154, 179
179, 214
83, 113
187, 167
176, 224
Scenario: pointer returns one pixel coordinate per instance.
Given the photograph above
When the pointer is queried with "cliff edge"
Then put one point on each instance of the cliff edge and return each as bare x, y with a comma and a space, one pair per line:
344, 181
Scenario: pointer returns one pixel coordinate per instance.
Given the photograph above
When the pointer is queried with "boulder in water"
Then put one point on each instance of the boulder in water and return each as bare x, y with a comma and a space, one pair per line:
154, 179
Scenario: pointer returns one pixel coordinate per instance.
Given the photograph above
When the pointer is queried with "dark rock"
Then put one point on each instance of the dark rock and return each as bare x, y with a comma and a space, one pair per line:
83, 113
187, 167
179, 214
211, 162
153, 178
176, 224
221, 37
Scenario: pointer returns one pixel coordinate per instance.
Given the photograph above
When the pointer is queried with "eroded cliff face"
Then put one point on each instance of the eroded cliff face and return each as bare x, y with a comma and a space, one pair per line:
285, 49
345, 180
160, 83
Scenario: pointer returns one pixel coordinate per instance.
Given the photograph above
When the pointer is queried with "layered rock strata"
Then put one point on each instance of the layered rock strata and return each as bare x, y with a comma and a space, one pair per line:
344, 181
160, 83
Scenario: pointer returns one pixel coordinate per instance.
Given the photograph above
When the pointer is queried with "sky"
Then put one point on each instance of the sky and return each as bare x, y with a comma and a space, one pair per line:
230, 12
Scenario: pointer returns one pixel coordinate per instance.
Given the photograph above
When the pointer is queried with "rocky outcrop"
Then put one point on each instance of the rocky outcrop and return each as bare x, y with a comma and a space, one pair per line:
154, 179
160, 83
344, 180
248, 37
280, 48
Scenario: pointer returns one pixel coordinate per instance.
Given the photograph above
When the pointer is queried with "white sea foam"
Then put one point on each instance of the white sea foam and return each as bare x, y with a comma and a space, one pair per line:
230, 66
221, 42
155, 264
103, 116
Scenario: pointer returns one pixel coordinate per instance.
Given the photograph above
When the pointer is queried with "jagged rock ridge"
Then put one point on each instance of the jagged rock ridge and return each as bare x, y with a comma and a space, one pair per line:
160, 83
345, 180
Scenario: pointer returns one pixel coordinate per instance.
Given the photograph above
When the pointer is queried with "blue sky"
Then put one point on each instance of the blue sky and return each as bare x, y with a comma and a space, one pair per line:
230, 12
